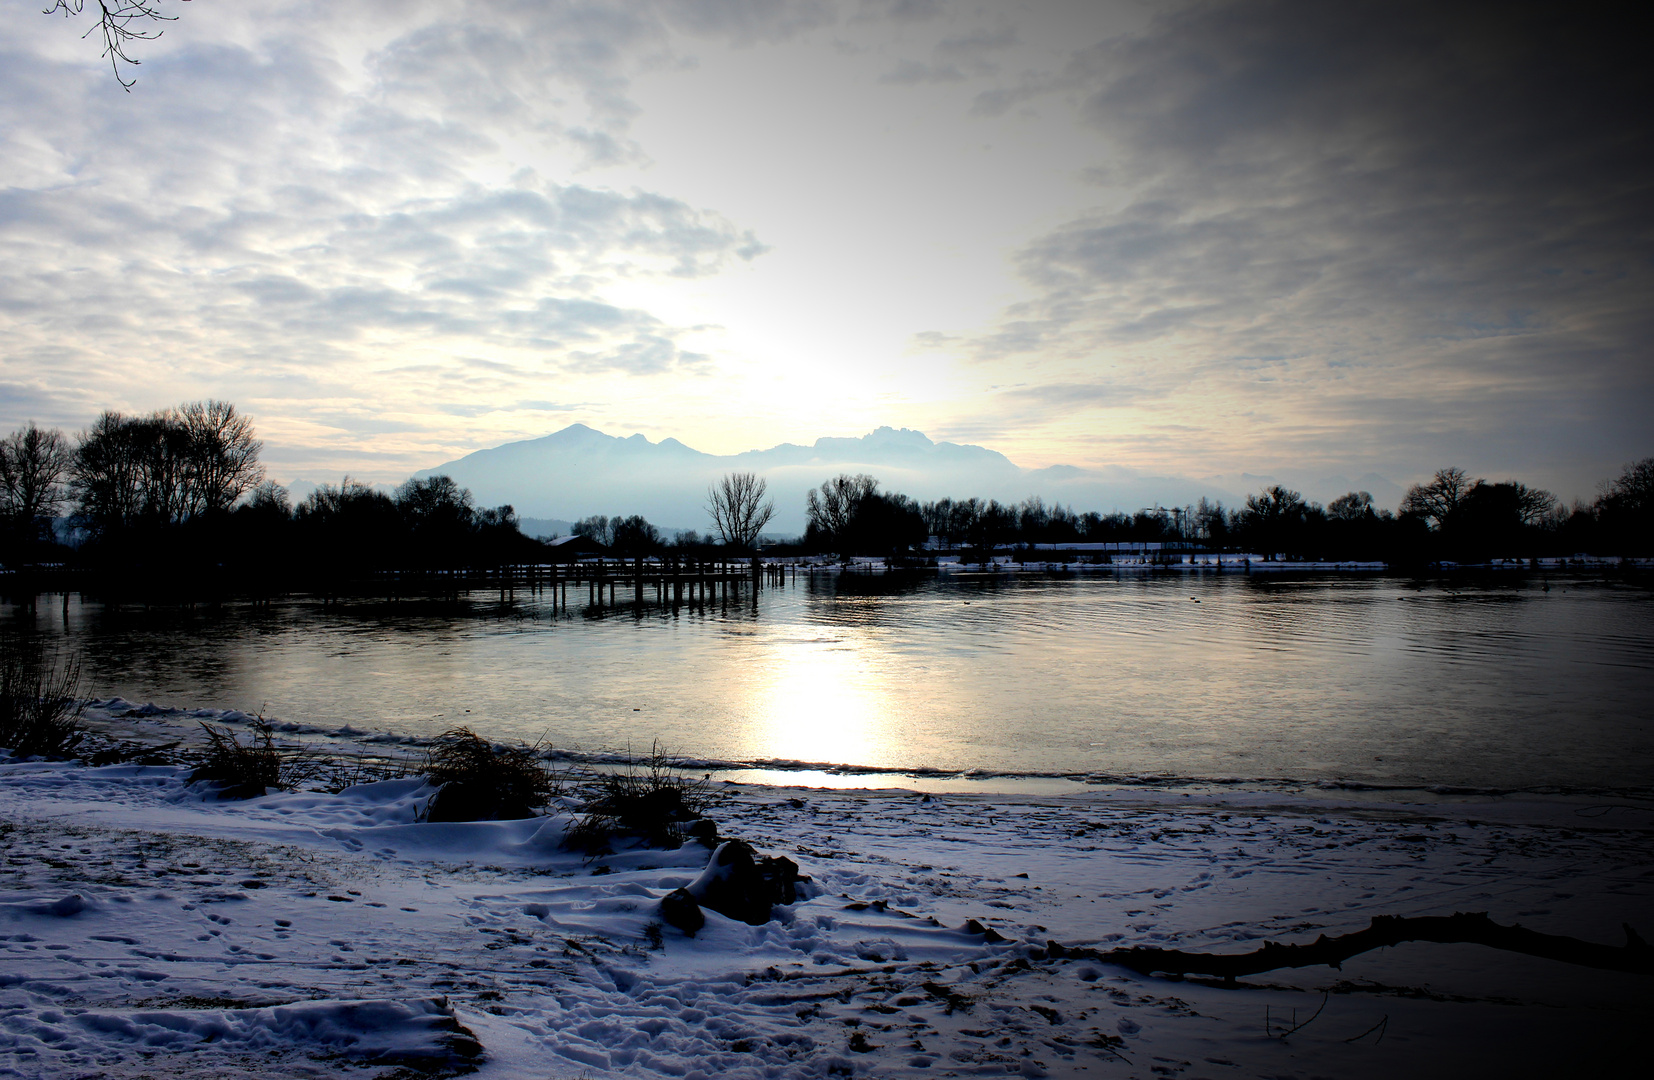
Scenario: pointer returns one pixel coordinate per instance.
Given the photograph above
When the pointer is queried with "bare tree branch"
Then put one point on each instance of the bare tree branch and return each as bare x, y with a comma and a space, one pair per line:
121, 22
1534, 504
34, 463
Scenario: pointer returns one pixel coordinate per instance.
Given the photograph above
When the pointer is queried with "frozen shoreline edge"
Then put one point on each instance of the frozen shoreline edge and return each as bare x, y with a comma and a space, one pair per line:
108, 711
1555, 805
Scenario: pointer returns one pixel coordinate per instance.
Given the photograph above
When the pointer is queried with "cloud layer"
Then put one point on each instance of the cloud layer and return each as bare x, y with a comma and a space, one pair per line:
1214, 238
1357, 225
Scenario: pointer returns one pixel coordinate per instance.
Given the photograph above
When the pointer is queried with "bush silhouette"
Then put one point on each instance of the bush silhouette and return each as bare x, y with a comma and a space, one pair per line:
482, 782
650, 800
40, 713
246, 771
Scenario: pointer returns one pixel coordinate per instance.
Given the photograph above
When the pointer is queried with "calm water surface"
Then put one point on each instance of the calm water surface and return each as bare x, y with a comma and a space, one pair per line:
1492, 683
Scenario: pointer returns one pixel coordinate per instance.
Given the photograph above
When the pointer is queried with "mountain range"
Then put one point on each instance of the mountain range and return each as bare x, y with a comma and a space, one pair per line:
580, 471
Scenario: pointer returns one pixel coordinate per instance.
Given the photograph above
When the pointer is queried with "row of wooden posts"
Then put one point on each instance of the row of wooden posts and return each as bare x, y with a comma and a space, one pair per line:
677, 581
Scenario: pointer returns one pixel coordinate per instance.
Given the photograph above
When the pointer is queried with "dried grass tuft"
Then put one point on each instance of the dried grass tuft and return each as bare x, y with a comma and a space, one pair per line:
40, 706
651, 800
480, 781
245, 771
342, 772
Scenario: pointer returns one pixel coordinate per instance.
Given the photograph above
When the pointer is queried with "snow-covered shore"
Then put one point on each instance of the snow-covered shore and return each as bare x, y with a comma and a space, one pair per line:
145, 930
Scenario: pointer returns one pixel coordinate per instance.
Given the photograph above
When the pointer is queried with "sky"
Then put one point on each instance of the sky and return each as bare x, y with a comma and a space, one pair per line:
1226, 240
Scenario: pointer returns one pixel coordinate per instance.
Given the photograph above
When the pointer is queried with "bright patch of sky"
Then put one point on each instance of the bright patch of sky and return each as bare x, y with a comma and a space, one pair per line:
1201, 239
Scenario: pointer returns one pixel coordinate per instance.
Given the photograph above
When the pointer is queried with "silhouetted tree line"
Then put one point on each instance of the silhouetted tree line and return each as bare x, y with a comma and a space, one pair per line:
736, 505
1451, 517
850, 515
426, 524
179, 497
180, 494
143, 490
631, 536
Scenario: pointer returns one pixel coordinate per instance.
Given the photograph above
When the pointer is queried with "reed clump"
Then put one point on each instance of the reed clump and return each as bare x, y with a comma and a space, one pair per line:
40, 706
479, 781
650, 800
342, 772
247, 770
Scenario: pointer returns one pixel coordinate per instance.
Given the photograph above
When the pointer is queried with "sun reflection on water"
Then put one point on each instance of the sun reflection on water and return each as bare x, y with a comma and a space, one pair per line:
818, 702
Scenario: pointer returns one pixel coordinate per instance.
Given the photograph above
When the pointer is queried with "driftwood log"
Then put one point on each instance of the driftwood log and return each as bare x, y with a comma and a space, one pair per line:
1469, 927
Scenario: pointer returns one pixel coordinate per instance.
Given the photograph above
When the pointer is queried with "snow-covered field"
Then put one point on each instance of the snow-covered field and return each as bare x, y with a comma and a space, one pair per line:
148, 931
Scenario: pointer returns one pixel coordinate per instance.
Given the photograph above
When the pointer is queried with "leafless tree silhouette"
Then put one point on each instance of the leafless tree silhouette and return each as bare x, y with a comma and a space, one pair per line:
223, 454
1535, 505
738, 508
832, 508
1351, 507
1440, 497
165, 468
34, 464
121, 22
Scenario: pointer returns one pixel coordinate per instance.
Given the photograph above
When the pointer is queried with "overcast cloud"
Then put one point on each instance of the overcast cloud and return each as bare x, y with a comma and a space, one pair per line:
1297, 239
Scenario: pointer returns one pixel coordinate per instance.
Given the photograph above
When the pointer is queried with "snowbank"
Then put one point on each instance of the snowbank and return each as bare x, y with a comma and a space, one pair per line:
143, 928
420, 1033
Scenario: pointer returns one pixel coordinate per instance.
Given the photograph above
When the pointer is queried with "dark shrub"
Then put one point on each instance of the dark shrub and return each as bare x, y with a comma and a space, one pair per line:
483, 782
242, 771
40, 710
650, 800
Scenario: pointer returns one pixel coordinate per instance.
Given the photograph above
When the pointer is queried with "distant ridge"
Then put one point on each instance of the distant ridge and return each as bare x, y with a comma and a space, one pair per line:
580, 471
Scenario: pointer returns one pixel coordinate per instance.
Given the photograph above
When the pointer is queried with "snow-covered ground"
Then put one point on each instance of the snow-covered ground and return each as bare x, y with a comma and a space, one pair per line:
148, 931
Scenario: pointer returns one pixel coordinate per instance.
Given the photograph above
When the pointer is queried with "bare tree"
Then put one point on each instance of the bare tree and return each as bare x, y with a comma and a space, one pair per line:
1632, 492
34, 464
270, 499
165, 468
1440, 497
738, 508
833, 506
596, 528
223, 455
109, 475
938, 517
1534, 505
121, 22
1276, 505
634, 535
1211, 520
1625, 509
990, 528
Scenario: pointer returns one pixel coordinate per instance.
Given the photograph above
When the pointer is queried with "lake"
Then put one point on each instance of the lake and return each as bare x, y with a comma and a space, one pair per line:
1515, 682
